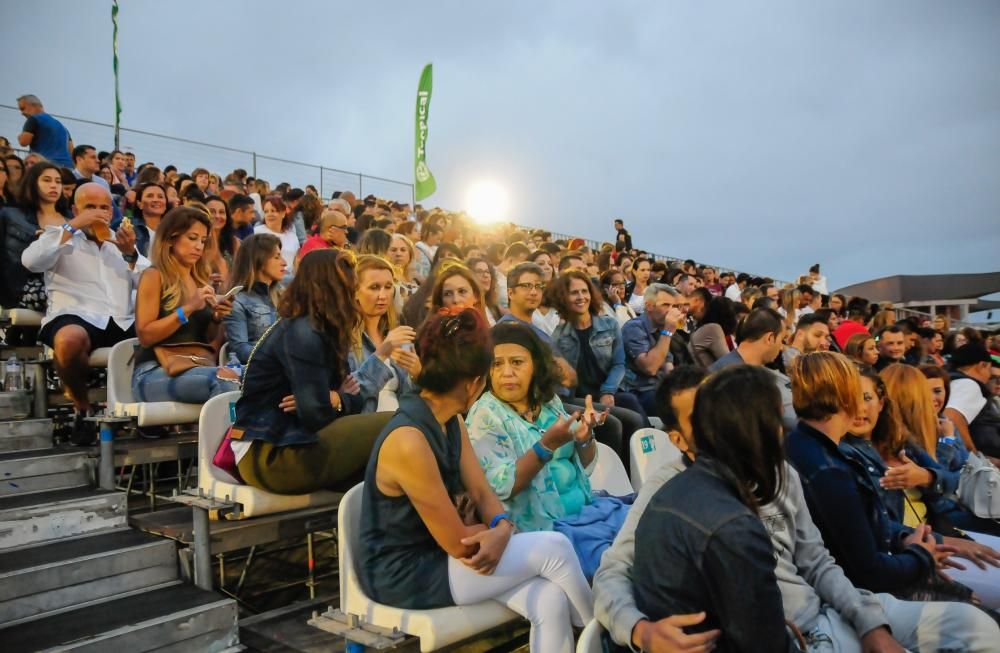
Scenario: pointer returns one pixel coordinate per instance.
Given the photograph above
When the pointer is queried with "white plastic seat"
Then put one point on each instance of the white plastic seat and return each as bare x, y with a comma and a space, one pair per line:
216, 418
609, 472
121, 402
435, 628
99, 357
224, 354
649, 449
590, 638
22, 317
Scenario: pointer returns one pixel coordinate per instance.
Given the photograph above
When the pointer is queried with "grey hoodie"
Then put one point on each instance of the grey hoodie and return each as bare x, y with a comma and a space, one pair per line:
807, 575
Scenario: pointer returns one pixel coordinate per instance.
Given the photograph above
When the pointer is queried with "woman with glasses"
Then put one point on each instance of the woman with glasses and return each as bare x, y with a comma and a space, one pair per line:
486, 278
613, 292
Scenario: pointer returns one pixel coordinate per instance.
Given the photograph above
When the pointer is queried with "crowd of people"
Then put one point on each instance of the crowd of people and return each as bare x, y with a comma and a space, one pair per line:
465, 372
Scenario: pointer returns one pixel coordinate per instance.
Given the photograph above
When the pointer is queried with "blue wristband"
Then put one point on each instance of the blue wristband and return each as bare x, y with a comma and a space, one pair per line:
181, 316
496, 520
667, 333
68, 227
543, 454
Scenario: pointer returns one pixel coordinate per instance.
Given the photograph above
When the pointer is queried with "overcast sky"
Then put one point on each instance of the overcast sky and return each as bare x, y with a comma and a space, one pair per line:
764, 136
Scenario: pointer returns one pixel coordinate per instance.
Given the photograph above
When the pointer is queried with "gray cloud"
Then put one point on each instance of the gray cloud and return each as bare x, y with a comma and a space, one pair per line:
767, 137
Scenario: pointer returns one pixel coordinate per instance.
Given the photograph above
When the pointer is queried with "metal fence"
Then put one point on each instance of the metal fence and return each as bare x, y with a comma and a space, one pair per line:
188, 154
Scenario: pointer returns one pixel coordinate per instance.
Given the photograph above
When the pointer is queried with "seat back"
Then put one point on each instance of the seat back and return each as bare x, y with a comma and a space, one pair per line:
348, 541
120, 374
609, 472
216, 417
590, 638
649, 449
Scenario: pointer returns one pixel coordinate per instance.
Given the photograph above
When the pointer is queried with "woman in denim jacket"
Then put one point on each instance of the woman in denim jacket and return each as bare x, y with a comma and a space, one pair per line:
381, 359
921, 474
259, 267
876, 427
592, 343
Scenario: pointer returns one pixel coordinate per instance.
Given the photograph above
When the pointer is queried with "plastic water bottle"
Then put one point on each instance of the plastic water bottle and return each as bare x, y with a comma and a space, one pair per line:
234, 365
13, 377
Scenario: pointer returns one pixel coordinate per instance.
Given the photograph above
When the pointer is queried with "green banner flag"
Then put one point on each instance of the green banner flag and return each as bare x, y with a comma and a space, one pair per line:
424, 180
114, 48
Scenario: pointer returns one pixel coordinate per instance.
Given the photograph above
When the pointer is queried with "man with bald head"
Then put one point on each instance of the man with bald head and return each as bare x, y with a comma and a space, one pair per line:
89, 281
331, 233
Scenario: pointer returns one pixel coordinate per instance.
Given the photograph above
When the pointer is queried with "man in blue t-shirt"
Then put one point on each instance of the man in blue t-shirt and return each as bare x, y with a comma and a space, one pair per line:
44, 134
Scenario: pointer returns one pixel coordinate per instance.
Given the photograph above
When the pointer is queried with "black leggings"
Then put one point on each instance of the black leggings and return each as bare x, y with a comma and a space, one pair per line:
609, 433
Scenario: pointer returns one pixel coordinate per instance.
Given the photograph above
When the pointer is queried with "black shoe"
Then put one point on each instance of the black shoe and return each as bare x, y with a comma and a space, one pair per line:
153, 432
84, 433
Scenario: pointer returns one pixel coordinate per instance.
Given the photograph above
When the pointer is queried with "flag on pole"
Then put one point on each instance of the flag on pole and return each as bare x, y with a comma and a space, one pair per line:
424, 180
114, 47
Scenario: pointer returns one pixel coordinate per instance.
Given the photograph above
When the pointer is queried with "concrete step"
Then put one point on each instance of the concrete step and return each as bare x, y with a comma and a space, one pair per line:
176, 618
41, 580
22, 472
27, 519
287, 630
25, 434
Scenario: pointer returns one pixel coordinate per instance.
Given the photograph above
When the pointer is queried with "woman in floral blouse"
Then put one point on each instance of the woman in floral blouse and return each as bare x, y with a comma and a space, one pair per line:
536, 456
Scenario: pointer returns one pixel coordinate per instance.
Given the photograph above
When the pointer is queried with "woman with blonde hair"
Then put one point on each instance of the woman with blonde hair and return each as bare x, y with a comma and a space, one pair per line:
382, 360
175, 305
930, 487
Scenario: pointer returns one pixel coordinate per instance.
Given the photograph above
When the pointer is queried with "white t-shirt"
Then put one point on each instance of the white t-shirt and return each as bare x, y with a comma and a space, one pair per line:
547, 322
289, 243
734, 293
967, 398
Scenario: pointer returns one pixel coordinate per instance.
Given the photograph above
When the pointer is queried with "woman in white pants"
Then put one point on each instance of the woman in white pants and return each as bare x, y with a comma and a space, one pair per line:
433, 533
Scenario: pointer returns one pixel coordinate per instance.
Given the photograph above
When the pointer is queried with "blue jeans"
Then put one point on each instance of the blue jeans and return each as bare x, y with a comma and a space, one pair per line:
196, 386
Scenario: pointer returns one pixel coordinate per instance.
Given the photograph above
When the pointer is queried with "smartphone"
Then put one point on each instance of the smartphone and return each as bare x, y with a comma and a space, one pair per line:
232, 293
406, 346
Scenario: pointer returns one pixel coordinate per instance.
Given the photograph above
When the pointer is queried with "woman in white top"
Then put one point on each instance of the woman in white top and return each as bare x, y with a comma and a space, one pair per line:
641, 269
545, 316
278, 222
382, 359
613, 290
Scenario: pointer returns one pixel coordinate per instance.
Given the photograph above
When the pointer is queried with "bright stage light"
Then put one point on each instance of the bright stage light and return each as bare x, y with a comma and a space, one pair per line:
487, 202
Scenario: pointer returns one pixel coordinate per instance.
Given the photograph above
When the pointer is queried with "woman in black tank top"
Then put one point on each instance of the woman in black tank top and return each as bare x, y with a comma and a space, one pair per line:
433, 532
176, 304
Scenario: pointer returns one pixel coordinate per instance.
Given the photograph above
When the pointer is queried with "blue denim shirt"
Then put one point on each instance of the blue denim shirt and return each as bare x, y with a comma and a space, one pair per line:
844, 500
639, 335
605, 341
294, 359
372, 374
253, 312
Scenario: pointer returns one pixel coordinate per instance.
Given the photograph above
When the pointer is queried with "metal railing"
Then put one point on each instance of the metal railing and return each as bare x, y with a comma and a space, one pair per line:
187, 154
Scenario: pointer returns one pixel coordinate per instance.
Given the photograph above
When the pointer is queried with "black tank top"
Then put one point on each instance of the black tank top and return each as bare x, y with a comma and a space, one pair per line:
196, 330
400, 563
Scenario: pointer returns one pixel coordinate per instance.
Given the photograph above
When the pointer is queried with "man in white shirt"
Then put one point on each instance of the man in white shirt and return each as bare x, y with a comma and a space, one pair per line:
817, 280
89, 282
969, 405
735, 291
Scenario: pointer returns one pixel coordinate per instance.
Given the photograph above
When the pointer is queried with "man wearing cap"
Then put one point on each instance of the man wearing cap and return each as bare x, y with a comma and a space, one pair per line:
969, 405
